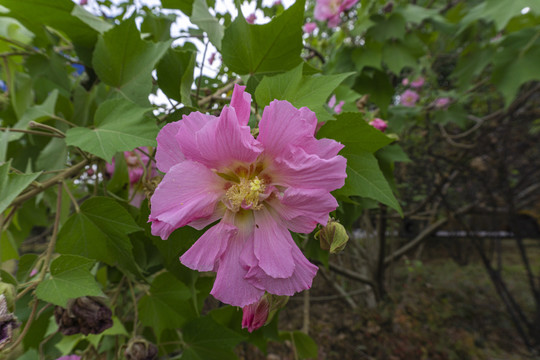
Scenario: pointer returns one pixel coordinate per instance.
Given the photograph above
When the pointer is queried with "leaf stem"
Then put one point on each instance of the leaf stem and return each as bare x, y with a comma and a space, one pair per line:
73, 200
26, 328
52, 241
34, 124
33, 132
201, 72
135, 309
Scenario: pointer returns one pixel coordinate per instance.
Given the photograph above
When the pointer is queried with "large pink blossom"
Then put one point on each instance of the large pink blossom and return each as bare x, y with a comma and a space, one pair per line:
331, 10
259, 188
379, 124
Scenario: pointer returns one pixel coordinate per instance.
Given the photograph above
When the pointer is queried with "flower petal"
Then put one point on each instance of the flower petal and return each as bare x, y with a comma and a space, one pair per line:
302, 170
168, 152
302, 209
282, 125
201, 223
188, 128
230, 286
241, 102
189, 191
272, 245
206, 251
301, 279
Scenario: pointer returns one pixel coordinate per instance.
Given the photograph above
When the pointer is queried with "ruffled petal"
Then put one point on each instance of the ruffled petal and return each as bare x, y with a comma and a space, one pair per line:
282, 126
328, 148
230, 286
302, 209
201, 223
206, 251
189, 191
221, 142
168, 152
301, 279
271, 246
241, 102
187, 133
302, 170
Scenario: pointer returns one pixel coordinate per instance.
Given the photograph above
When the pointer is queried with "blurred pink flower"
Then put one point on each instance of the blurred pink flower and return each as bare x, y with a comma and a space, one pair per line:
251, 18
408, 98
136, 162
442, 102
277, 3
260, 189
33, 272
83, 2
255, 315
332, 104
212, 58
405, 82
418, 83
331, 10
309, 27
379, 124
69, 357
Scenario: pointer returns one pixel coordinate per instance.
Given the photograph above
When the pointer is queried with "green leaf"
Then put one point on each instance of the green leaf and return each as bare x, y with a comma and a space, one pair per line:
391, 28
377, 85
120, 126
311, 91
54, 156
123, 60
186, 6
36, 113
305, 346
365, 178
70, 278
207, 340
368, 55
12, 185
163, 308
397, 56
8, 247
98, 232
201, 17
272, 47
355, 133
499, 11
175, 74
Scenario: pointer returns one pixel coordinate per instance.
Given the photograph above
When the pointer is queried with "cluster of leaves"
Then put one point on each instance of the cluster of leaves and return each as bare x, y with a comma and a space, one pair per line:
76, 95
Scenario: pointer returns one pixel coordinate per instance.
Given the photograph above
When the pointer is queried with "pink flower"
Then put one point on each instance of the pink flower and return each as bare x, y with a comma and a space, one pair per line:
332, 104
251, 18
408, 98
405, 82
69, 357
441, 103
136, 162
33, 272
379, 124
255, 315
260, 189
331, 10
212, 58
309, 27
277, 3
83, 2
418, 83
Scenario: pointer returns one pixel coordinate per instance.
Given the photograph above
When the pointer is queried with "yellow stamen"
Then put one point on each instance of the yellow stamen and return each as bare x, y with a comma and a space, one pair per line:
245, 194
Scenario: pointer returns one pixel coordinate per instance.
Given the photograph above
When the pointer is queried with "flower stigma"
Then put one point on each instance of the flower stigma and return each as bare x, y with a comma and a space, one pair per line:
245, 194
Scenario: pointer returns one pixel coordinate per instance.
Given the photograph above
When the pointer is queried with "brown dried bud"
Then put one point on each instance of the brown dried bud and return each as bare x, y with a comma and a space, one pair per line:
140, 349
8, 322
86, 315
388, 7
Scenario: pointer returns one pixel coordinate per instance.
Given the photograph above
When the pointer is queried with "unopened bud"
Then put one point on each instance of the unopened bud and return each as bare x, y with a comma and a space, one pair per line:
261, 312
8, 323
86, 315
333, 236
8, 290
140, 349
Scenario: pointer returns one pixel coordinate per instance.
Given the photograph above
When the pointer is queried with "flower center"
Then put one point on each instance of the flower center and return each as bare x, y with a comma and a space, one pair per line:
245, 194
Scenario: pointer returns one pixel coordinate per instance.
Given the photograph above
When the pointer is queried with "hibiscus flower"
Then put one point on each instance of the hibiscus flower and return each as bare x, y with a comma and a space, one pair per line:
331, 10
259, 188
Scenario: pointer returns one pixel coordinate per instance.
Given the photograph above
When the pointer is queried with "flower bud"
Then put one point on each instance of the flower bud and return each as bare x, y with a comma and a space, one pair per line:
333, 236
8, 322
261, 312
8, 290
255, 315
140, 349
86, 315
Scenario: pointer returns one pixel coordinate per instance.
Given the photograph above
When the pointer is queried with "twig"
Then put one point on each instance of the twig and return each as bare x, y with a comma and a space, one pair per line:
26, 328
223, 90
33, 132
350, 274
75, 169
135, 310
201, 72
34, 124
52, 241
339, 289
73, 200
305, 324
